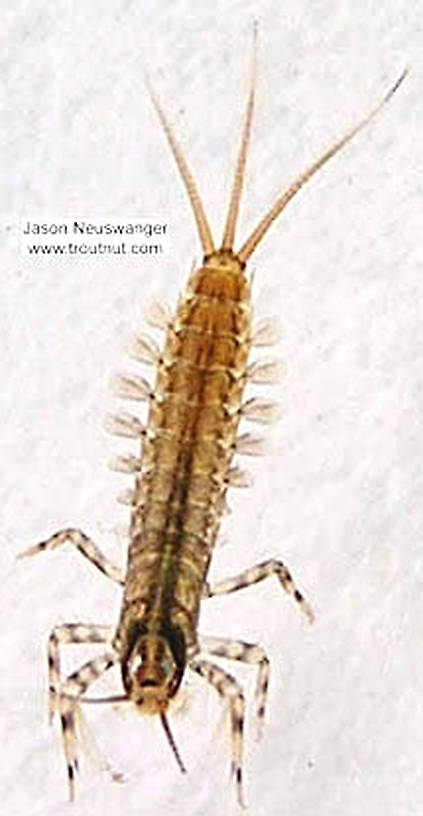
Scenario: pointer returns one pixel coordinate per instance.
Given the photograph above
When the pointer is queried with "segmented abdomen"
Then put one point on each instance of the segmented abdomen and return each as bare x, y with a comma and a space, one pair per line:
192, 424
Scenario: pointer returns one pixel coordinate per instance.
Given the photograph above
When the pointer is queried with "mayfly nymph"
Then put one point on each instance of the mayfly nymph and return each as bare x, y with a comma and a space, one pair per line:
180, 480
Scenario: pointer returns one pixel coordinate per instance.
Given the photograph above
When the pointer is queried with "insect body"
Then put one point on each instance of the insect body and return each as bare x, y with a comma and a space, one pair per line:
188, 444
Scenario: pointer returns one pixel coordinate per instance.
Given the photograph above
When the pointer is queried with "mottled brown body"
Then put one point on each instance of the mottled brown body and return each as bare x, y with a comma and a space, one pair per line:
192, 425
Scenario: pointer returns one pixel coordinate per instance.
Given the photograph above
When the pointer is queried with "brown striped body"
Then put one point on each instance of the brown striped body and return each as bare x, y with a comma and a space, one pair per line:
192, 424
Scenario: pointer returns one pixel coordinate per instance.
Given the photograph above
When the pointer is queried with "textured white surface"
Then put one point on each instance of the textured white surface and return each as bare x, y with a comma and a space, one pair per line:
339, 499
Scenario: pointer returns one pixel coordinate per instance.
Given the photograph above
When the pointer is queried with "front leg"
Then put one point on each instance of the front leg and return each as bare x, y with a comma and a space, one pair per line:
246, 653
231, 692
67, 634
258, 573
84, 545
68, 704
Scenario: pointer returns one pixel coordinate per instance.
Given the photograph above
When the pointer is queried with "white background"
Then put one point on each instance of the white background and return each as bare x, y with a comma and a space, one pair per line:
340, 496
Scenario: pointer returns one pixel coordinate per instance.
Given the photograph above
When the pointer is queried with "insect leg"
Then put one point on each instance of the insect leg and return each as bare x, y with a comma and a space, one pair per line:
69, 709
84, 545
69, 633
230, 690
245, 653
255, 574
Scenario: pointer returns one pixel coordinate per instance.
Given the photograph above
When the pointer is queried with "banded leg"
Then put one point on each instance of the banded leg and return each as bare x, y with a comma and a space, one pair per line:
69, 633
245, 653
231, 692
68, 699
84, 545
258, 573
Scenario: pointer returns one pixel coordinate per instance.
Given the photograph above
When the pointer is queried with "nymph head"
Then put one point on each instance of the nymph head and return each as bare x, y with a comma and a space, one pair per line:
153, 667
152, 671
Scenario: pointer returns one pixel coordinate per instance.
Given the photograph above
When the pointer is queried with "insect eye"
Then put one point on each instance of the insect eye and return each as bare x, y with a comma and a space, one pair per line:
166, 666
137, 662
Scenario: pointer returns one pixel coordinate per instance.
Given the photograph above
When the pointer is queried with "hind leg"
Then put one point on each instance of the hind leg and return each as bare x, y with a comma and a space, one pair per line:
258, 573
84, 545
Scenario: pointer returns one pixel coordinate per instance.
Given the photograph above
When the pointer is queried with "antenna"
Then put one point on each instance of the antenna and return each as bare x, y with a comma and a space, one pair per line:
172, 742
